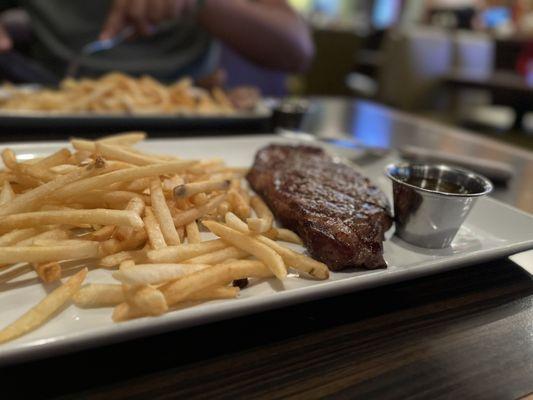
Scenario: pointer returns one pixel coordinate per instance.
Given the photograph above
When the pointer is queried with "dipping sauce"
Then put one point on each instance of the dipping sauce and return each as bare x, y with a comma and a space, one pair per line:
436, 184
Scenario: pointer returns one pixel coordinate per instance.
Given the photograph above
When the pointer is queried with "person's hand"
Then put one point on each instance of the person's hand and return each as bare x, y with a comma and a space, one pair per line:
143, 15
5, 40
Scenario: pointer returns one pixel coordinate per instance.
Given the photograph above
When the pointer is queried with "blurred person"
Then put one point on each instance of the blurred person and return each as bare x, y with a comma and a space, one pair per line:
172, 37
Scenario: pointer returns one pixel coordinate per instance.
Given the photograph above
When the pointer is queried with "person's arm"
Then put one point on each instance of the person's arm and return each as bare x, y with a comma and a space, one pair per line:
268, 32
5, 40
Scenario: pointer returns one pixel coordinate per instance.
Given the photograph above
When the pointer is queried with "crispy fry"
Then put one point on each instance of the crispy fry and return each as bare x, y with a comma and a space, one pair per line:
218, 275
148, 300
284, 235
37, 315
122, 175
193, 214
265, 217
104, 233
137, 206
199, 199
219, 256
71, 217
122, 154
155, 236
111, 246
97, 295
124, 138
17, 235
190, 189
27, 200
37, 254
292, 259
193, 233
239, 204
299, 262
126, 264
162, 213
112, 260
6, 194
153, 274
250, 245
176, 254
48, 272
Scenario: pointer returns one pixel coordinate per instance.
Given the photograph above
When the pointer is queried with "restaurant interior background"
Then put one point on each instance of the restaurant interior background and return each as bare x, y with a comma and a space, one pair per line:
461, 62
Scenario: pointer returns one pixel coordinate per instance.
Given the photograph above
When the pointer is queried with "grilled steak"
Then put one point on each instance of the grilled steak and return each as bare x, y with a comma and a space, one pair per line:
339, 214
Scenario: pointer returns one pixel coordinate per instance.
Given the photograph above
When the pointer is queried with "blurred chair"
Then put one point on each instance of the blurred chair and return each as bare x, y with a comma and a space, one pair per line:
474, 57
414, 62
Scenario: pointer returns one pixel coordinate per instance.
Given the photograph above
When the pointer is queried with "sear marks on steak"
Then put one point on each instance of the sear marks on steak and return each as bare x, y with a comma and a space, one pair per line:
339, 214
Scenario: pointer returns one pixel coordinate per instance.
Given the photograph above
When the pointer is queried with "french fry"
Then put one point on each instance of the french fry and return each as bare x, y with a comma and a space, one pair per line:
10, 159
52, 234
72, 217
190, 189
17, 235
148, 300
37, 254
122, 154
39, 314
97, 295
153, 274
176, 254
104, 233
236, 223
125, 311
250, 245
218, 275
284, 235
265, 217
238, 204
61, 156
199, 199
126, 264
193, 233
6, 194
112, 260
27, 200
299, 262
170, 183
122, 175
162, 213
155, 236
137, 206
292, 259
193, 214
112, 246
124, 138
219, 256
48, 272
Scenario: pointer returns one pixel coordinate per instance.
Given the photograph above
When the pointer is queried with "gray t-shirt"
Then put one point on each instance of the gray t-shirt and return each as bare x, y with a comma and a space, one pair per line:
63, 27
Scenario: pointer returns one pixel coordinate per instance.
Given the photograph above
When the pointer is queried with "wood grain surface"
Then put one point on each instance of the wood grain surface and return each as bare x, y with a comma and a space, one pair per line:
458, 335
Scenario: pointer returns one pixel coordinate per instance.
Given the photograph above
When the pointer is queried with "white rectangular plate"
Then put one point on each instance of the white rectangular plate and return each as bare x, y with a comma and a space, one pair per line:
492, 230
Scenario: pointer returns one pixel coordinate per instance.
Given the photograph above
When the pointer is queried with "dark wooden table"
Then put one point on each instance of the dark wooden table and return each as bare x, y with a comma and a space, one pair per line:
457, 335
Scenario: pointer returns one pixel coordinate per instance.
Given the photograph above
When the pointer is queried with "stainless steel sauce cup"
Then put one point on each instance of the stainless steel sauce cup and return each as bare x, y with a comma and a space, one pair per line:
431, 218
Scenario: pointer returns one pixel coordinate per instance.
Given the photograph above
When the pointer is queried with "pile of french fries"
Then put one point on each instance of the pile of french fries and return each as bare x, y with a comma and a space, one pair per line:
116, 93
141, 216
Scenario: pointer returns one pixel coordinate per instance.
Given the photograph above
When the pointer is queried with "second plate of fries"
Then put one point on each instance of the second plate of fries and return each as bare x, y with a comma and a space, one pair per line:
115, 238
117, 100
